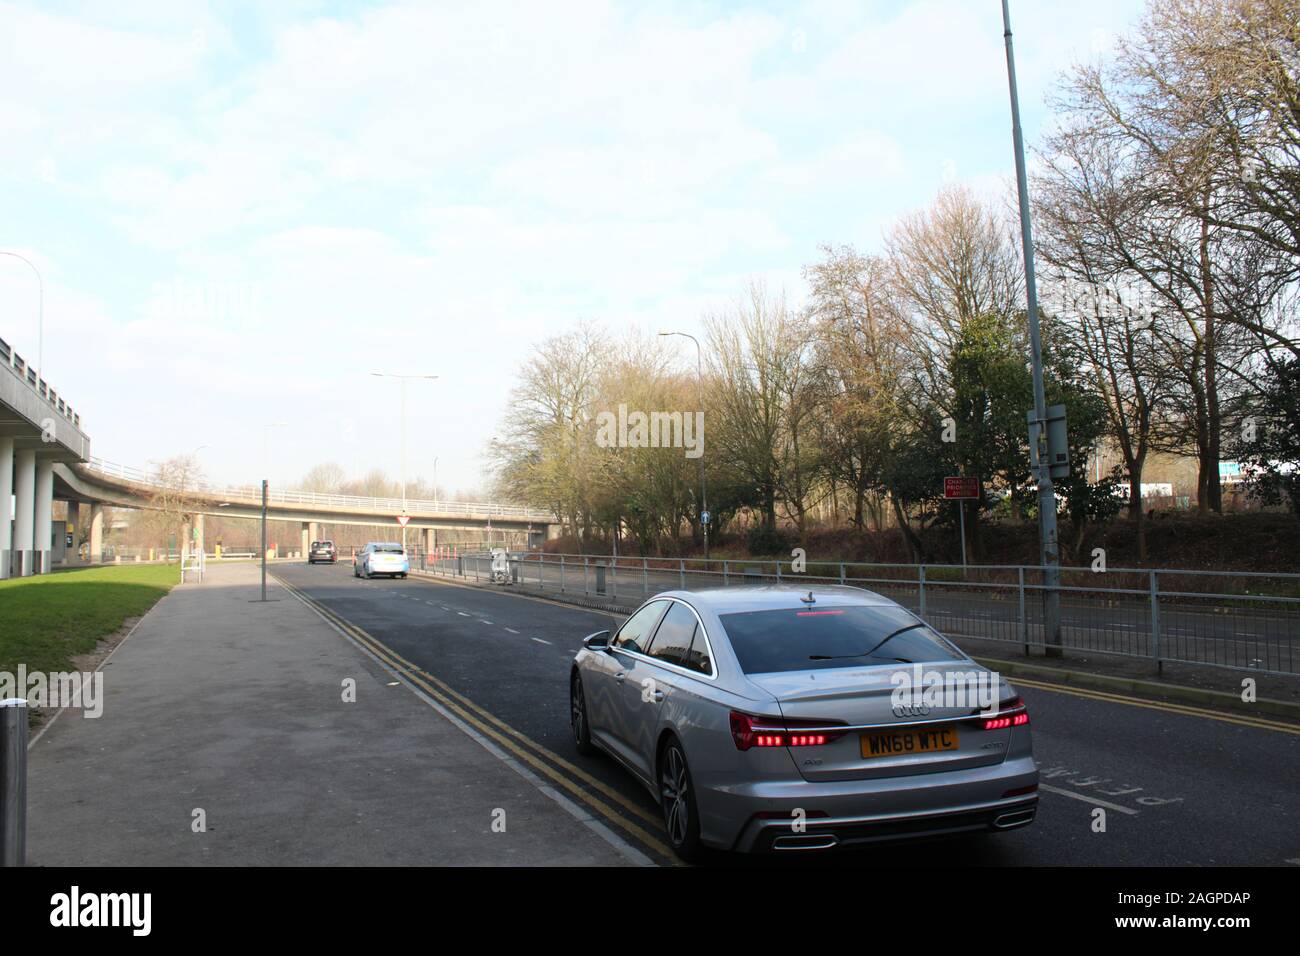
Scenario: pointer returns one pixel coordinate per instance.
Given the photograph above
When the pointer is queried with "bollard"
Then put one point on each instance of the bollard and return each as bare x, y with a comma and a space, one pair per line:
13, 782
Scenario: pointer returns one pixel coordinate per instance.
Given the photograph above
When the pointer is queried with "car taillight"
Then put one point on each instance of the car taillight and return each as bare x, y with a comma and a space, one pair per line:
749, 731
1012, 713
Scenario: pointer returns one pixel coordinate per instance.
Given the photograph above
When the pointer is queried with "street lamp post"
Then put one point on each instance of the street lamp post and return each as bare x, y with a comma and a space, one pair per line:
40, 314
704, 494
403, 379
1049, 547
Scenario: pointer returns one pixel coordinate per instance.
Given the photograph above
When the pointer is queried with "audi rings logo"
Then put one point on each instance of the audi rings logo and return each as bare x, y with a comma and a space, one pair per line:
911, 710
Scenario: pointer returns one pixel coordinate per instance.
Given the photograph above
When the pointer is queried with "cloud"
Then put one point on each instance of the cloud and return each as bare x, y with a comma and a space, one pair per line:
262, 207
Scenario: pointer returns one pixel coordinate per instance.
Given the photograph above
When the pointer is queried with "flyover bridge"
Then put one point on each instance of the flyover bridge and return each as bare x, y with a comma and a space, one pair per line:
99, 483
45, 456
39, 432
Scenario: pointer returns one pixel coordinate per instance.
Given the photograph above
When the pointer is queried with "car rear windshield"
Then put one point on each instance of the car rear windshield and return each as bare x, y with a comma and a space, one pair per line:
389, 548
816, 638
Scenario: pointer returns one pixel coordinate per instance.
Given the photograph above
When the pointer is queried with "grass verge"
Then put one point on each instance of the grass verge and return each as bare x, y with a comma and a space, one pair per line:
47, 620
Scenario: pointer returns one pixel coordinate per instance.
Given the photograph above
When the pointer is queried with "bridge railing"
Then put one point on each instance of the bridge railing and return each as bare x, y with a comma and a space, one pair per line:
253, 493
13, 360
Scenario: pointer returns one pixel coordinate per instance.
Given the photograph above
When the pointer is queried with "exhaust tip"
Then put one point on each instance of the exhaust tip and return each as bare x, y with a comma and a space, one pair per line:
805, 841
1017, 818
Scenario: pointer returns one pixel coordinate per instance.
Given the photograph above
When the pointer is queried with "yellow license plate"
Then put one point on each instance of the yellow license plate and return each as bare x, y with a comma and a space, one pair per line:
917, 740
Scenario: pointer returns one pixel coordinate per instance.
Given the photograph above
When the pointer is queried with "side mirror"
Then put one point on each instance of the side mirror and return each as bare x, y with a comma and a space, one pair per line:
596, 642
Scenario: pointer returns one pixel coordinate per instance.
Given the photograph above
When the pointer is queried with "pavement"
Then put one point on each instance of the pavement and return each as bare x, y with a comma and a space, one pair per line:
230, 713
1176, 784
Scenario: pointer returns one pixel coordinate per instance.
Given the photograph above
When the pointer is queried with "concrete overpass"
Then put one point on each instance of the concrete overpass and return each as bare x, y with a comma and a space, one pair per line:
99, 483
39, 432
45, 456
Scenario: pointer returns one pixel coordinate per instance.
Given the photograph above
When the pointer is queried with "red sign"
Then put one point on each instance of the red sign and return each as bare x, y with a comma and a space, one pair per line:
959, 486
402, 519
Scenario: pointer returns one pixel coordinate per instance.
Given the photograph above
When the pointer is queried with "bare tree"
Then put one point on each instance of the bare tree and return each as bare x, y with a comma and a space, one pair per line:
861, 343
757, 354
1136, 130
175, 485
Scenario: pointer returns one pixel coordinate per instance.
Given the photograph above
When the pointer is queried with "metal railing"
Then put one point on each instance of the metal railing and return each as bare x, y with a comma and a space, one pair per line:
1239, 620
13, 360
253, 494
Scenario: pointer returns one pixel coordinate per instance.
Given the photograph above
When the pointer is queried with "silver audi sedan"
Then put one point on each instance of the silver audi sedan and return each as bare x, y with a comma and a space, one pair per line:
778, 718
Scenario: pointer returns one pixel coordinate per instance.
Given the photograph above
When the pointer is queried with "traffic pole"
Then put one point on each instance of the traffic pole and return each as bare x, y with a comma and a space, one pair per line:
1048, 544
263, 539
961, 510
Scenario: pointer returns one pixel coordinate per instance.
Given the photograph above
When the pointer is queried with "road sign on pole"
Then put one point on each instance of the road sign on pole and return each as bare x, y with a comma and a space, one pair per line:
402, 520
960, 488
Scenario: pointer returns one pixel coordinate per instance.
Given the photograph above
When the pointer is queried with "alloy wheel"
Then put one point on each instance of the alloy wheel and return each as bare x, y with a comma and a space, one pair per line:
675, 788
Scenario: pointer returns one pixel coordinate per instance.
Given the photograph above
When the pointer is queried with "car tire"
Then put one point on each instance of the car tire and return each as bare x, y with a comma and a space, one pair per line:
677, 800
578, 722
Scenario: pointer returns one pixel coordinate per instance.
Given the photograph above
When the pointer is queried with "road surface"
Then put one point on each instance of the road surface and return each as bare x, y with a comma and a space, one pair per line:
1176, 787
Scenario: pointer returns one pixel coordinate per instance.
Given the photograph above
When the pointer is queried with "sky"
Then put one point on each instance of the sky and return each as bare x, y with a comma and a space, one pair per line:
240, 211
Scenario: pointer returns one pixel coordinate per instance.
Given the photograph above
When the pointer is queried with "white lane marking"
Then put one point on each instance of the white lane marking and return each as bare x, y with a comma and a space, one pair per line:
462, 614
488, 623
1086, 798
539, 640
510, 629
1294, 862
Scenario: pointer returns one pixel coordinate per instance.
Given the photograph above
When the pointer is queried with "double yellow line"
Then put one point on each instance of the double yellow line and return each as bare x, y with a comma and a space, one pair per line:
1259, 723
567, 775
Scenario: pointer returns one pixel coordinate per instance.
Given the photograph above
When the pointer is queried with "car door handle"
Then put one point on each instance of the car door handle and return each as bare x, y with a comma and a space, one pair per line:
659, 696
620, 676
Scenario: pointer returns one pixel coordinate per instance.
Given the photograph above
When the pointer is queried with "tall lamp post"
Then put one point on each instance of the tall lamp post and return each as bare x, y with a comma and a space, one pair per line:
704, 494
1049, 547
40, 313
403, 379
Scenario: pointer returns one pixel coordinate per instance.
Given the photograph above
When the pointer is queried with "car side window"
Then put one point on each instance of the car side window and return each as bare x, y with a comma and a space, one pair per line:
697, 657
635, 633
673, 639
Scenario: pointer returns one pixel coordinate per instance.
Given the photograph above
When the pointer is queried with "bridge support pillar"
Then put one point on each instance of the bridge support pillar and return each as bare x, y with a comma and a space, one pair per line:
24, 511
6, 493
44, 516
307, 539
199, 543
95, 550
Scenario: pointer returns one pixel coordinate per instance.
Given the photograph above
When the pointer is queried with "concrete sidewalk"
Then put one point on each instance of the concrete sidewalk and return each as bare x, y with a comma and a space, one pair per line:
217, 703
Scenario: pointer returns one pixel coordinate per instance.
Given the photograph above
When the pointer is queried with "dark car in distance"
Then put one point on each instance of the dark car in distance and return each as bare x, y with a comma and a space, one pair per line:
322, 551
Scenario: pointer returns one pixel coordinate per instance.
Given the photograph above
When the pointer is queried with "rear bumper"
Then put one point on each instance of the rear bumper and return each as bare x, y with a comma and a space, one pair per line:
768, 836
842, 814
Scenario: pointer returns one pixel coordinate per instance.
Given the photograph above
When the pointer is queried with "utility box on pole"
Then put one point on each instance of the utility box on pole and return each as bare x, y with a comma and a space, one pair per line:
1056, 448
